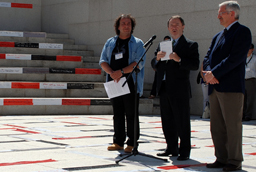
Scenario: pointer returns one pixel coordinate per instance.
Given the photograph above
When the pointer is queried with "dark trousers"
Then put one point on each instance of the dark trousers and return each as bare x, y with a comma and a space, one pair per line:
153, 90
124, 110
175, 116
249, 98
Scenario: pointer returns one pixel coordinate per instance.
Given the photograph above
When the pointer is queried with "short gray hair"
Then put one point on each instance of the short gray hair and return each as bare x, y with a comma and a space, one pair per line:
232, 6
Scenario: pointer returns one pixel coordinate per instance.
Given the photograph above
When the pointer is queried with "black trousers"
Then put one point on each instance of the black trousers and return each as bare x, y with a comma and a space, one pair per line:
124, 111
175, 116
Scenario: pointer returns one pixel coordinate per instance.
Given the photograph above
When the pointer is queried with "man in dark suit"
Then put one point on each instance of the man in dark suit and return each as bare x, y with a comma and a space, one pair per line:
224, 69
173, 87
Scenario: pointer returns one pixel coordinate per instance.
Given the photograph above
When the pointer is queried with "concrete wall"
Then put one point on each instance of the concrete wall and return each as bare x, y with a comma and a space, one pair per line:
21, 19
90, 22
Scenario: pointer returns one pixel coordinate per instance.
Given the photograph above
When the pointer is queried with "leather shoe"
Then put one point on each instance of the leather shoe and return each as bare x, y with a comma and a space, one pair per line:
166, 153
216, 164
182, 158
231, 167
115, 146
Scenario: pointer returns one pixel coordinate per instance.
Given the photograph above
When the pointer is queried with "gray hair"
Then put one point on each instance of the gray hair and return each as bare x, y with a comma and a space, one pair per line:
232, 6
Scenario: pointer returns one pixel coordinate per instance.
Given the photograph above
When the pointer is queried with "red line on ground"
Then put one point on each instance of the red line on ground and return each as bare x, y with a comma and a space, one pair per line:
7, 128
181, 166
210, 146
27, 162
74, 123
254, 153
156, 122
27, 131
68, 138
98, 118
16, 126
21, 5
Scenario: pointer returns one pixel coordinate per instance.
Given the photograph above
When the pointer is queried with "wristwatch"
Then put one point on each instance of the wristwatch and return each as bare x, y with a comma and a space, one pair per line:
122, 71
179, 60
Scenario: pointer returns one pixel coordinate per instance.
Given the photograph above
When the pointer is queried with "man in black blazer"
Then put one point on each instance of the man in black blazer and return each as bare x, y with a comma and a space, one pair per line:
173, 87
224, 69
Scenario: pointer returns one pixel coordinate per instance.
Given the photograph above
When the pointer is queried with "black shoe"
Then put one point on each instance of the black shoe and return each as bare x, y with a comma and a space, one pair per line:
167, 153
231, 167
216, 164
182, 158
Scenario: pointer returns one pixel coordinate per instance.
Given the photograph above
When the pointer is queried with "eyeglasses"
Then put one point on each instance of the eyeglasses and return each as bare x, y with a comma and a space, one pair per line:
221, 13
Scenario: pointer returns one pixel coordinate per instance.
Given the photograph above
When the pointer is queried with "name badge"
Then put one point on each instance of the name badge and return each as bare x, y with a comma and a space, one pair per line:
118, 56
247, 69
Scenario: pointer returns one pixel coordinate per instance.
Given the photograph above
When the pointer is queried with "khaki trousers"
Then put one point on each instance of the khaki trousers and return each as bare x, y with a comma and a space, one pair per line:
226, 126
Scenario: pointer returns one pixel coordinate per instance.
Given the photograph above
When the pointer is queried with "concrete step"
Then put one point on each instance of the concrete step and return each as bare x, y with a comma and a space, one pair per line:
37, 40
37, 51
36, 45
64, 106
53, 77
33, 34
52, 89
46, 63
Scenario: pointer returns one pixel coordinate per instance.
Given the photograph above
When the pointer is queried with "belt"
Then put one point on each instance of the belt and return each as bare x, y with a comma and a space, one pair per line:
249, 79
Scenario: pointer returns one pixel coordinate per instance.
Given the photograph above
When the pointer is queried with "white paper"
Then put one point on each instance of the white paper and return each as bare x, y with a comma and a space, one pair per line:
114, 89
166, 46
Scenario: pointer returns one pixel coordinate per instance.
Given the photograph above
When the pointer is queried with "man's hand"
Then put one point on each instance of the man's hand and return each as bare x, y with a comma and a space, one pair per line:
209, 78
116, 75
174, 56
160, 55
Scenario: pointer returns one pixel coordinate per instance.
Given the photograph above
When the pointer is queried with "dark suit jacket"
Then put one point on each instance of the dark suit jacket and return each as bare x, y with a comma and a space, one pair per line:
177, 74
227, 60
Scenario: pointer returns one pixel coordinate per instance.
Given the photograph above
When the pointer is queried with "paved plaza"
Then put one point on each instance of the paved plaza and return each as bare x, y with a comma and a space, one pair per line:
79, 143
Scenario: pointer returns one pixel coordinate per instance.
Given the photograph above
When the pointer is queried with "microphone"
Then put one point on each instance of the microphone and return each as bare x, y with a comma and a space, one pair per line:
149, 41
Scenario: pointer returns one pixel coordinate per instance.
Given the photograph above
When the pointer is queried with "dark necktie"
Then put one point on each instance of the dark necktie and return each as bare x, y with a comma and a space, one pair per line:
222, 36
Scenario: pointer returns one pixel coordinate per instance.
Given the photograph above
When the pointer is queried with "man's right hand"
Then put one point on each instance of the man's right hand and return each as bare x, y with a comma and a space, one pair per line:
160, 55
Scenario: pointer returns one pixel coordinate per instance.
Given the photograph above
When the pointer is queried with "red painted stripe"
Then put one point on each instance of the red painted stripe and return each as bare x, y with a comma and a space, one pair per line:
7, 44
181, 166
99, 118
74, 123
17, 126
21, 5
7, 128
251, 153
27, 162
210, 146
2, 56
26, 85
76, 102
65, 117
18, 101
69, 58
88, 71
156, 122
27, 131
68, 138
194, 131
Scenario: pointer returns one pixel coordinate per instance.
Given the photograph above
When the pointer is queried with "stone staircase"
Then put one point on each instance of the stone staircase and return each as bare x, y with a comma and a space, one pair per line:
47, 74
